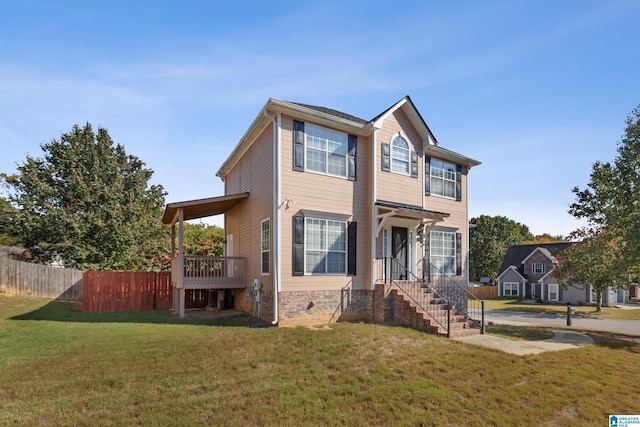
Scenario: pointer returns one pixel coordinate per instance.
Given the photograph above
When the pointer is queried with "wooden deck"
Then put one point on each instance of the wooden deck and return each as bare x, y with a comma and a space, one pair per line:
210, 272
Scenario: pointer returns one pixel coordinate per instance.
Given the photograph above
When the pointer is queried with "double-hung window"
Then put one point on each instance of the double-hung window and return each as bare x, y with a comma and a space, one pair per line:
511, 289
537, 268
265, 245
326, 151
443, 252
443, 179
400, 155
325, 246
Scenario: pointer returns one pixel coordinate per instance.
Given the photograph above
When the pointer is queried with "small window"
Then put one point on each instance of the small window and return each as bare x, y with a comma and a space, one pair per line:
265, 245
400, 155
537, 268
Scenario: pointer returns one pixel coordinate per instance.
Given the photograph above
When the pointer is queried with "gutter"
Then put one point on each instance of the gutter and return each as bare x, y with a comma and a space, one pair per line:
277, 122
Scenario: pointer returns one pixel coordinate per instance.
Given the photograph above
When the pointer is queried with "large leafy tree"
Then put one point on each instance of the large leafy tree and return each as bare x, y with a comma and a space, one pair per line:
593, 261
489, 238
90, 202
203, 239
611, 200
7, 213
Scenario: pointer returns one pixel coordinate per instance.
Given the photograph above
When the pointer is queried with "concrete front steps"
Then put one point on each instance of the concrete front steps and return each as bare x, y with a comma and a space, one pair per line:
408, 313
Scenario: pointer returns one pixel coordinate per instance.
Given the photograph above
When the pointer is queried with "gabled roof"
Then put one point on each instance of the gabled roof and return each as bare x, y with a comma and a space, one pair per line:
341, 121
543, 251
201, 208
514, 268
517, 253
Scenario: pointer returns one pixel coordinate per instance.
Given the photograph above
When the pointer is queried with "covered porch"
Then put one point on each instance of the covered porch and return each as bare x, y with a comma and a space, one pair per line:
201, 272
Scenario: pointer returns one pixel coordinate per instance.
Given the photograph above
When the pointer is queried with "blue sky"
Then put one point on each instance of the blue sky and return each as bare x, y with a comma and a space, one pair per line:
535, 90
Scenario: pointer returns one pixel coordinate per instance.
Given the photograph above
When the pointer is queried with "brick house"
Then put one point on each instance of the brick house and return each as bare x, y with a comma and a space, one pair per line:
323, 210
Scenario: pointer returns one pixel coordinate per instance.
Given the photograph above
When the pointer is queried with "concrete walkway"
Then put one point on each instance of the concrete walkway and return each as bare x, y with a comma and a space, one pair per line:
561, 340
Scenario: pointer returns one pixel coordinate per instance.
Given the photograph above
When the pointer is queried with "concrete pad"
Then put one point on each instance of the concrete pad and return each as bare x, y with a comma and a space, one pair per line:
561, 340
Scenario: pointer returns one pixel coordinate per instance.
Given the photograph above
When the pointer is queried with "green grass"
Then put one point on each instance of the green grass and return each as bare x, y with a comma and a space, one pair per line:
581, 310
59, 366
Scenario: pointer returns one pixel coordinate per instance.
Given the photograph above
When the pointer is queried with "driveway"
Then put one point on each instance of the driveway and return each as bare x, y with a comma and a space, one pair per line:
508, 317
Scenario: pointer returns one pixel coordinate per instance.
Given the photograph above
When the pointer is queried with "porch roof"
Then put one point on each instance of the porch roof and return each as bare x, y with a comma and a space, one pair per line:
200, 208
401, 210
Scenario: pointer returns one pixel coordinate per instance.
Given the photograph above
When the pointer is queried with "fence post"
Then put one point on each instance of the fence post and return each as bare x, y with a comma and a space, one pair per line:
448, 320
483, 327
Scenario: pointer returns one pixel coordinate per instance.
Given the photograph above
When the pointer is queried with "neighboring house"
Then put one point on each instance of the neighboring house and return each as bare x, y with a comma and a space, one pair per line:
322, 207
527, 272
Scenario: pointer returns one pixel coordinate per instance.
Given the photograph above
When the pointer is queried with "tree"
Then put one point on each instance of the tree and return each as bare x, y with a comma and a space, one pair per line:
541, 239
89, 202
203, 239
7, 213
612, 197
594, 261
489, 238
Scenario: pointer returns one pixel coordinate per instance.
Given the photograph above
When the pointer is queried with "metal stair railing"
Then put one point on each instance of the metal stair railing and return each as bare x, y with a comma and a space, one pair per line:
463, 300
420, 292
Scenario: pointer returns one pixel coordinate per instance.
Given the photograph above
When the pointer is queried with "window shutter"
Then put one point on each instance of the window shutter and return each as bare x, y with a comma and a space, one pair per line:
386, 157
298, 245
351, 157
298, 145
458, 183
458, 254
414, 164
427, 175
351, 248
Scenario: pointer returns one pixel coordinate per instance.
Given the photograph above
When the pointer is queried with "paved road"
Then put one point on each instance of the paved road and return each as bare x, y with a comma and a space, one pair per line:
525, 318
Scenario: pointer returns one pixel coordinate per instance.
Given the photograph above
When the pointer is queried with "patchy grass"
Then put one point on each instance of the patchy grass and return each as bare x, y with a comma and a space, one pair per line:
528, 333
59, 366
581, 310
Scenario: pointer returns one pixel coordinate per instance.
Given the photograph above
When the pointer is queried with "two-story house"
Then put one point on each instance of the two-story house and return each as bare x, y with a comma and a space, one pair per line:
322, 207
527, 271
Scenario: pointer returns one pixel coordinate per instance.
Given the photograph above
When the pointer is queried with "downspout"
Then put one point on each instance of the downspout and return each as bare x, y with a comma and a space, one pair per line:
277, 122
374, 217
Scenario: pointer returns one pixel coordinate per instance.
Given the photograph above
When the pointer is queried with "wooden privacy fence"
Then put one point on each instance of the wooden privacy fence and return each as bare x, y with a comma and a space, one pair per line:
107, 291
25, 278
484, 291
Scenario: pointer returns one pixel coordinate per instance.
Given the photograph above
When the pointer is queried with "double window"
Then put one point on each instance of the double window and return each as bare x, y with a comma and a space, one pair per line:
325, 151
323, 246
510, 289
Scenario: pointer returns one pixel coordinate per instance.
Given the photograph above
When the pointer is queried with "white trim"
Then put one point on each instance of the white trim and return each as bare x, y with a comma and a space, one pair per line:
510, 285
326, 152
514, 268
557, 286
268, 250
391, 158
542, 252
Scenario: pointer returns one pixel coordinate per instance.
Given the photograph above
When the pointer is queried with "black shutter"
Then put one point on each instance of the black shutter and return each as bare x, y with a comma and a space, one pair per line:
414, 164
298, 245
458, 254
458, 183
386, 157
351, 157
427, 175
298, 145
351, 248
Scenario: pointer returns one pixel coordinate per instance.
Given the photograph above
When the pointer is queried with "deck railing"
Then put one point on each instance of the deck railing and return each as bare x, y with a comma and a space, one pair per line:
210, 272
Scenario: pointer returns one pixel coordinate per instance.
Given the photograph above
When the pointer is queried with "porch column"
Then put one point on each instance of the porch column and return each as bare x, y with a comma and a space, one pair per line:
181, 262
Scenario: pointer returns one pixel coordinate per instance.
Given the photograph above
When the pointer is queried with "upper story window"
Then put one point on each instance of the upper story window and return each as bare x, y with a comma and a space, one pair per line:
265, 246
443, 179
400, 155
537, 268
324, 151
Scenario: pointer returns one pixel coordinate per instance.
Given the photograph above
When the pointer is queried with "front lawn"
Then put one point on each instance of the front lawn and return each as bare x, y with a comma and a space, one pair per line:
59, 366
581, 310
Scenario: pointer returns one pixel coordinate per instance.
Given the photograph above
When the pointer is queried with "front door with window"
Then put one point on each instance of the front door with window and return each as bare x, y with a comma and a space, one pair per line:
399, 251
